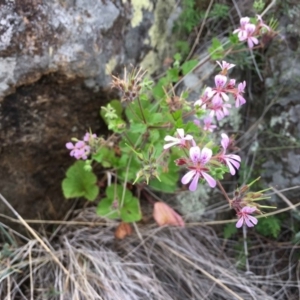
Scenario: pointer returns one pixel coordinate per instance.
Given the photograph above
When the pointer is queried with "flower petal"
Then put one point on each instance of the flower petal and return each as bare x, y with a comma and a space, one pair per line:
248, 222
167, 146
195, 154
169, 138
253, 220
205, 155
188, 137
188, 177
248, 209
220, 81
239, 223
224, 141
194, 183
69, 145
212, 183
180, 132
231, 168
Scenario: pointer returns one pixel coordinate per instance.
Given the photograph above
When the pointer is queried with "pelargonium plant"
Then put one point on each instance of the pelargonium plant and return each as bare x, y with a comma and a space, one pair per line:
155, 134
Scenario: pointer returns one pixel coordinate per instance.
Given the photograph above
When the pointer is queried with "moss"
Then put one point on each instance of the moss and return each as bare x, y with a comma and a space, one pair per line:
159, 34
138, 7
110, 66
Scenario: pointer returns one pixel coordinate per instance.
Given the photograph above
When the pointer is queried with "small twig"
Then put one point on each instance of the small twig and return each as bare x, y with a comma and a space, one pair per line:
43, 244
279, 211
284, 198
256, 66
200, 30
214, 279
268, 7
8, 282
65, 218
30, 273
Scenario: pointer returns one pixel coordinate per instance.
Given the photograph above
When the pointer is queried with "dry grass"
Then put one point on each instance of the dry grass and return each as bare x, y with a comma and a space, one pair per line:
86, 262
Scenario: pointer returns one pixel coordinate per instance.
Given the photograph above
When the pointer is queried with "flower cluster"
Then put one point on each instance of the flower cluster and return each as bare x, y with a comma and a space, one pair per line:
200, 161
215, 100
130, 86
245, 203
82, 149
248, 32
245, 217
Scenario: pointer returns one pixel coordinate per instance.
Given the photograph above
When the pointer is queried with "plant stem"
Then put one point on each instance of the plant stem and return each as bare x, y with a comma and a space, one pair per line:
223, 191
133, 112
141, 109
128, 139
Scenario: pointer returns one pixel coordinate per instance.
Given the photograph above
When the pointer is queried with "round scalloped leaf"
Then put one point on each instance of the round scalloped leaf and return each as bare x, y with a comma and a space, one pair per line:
80, 183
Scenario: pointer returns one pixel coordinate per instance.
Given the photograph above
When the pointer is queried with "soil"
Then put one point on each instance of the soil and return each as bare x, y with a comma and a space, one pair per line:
35, 124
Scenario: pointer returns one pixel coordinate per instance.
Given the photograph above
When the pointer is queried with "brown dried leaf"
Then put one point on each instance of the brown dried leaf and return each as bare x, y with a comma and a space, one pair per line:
123, 230
165, 215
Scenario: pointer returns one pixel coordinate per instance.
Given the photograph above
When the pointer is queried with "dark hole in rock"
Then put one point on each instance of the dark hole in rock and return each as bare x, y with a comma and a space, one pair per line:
36, 122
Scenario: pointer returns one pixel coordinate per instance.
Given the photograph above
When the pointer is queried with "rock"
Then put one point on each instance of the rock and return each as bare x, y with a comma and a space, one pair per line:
281, 130
55, 65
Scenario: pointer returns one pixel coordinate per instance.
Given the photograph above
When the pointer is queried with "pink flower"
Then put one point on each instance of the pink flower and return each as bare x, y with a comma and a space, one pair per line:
245, 218
242, 33
180, 140
239, 99
251, 40
231, 84
218, 108
80, 150
261, 23
219, 90
231, 160
198, 170
208, 126
204, 98
225, 65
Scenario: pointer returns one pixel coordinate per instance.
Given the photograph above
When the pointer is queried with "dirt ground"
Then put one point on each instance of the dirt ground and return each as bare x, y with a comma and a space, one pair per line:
36, 122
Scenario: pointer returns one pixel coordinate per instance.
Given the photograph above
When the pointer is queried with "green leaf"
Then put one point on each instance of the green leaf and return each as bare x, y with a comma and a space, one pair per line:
138, 128
229, 230
156, 118
162, 186
131, 212
234, 39
115, 192
116, 104
296, 238
105, 209
128, 211
168, 180
269, 226
80, 183
183, 47
154, 136
177, 115
173, 74
216, 51
106, 157
158, 91
177, 57
188, 66
191, 127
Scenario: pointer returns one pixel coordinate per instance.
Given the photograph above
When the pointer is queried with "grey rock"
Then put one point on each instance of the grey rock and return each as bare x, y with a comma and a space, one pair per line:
293, 162
56, 57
